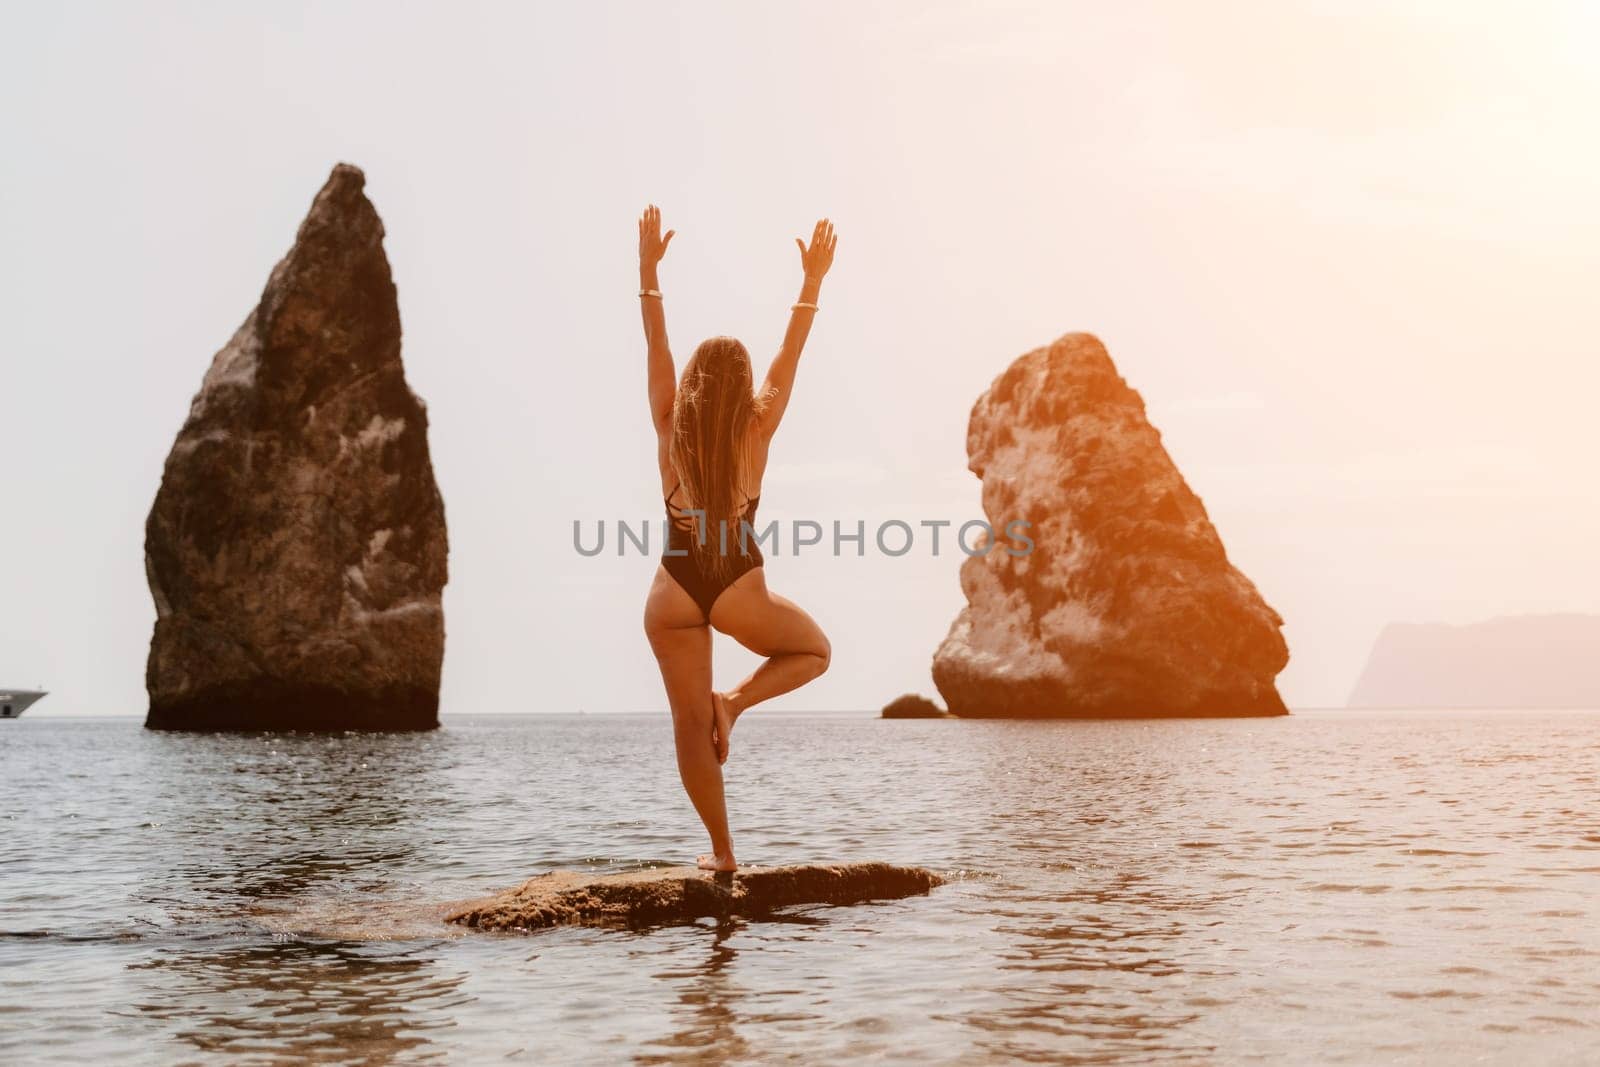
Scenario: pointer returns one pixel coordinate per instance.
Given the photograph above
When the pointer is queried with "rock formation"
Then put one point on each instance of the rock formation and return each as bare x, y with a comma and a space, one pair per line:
1126, 604
296, 549
683, 894
1527, 661
912, 706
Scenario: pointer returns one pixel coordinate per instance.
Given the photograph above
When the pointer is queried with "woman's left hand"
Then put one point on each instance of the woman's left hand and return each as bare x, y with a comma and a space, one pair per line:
652, 245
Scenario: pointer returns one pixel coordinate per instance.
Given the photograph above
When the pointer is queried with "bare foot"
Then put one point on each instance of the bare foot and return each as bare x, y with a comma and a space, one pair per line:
715, 861
723, 720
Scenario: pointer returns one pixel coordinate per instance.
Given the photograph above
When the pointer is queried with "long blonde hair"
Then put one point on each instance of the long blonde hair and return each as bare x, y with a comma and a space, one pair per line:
710, 452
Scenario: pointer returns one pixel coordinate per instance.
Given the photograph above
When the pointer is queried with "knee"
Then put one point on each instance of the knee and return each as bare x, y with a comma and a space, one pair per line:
823, 653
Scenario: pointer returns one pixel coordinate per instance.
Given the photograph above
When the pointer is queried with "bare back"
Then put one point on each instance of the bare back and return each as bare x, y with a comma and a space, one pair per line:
751, 489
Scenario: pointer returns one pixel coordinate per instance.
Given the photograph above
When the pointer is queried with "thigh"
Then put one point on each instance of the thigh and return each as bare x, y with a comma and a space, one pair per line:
681, 642
669, 607
764, 622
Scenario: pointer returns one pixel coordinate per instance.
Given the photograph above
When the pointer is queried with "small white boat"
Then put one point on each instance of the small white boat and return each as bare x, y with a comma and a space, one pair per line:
14, 702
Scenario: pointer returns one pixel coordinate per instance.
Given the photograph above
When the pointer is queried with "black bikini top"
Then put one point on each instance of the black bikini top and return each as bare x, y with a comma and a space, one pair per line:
688, 522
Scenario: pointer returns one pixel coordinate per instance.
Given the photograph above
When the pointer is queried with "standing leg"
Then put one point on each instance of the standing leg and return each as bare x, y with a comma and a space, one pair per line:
681, 642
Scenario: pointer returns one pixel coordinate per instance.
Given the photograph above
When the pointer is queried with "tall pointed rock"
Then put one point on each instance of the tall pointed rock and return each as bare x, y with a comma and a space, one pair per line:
296, 550
1126, 604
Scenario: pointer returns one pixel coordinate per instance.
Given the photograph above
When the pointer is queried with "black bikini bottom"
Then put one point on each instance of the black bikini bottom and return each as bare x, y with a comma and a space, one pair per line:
702, 587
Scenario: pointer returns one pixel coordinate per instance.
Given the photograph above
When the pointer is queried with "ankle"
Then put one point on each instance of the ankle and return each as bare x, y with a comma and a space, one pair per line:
735, 702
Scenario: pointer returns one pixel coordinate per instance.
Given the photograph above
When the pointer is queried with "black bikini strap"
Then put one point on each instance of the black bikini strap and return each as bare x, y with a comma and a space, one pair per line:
749, 501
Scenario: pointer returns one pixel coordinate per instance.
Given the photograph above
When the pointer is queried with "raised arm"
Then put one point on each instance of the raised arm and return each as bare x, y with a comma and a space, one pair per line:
663, 378
815, 262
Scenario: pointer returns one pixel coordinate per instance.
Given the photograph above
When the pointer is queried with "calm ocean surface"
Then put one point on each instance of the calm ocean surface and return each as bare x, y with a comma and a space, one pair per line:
1351, 887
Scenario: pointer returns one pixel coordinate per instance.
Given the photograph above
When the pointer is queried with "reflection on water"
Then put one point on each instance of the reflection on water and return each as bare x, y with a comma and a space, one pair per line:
1088, 927
1358, 886
708, 1024
319, 1002
309, 811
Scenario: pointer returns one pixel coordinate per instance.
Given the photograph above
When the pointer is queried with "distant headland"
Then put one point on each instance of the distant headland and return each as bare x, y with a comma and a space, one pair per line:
1524, 661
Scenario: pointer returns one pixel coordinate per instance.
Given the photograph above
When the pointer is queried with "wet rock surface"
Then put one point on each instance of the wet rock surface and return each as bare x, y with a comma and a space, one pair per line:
296, 550
683, 894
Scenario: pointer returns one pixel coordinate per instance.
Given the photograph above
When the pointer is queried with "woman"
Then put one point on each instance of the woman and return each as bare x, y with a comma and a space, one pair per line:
712, 434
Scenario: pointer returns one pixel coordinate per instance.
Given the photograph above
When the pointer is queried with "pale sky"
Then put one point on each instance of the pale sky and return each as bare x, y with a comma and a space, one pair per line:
1346, 252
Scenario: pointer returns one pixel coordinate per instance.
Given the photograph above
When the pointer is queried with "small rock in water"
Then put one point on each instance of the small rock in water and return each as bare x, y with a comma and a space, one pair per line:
912, 706
683, 894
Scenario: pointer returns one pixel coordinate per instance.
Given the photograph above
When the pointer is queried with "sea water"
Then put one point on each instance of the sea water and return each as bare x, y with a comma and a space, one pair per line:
1341, 887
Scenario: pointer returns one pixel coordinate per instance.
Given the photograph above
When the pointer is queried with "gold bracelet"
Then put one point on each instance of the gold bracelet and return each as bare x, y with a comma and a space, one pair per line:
802, 304
651, 292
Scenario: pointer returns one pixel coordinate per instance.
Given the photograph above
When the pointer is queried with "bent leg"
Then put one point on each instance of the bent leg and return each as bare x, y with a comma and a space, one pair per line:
681, 642
769, 625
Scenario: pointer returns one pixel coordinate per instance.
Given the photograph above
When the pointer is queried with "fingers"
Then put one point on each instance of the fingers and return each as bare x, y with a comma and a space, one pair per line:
650, 232
822, 236
650, 221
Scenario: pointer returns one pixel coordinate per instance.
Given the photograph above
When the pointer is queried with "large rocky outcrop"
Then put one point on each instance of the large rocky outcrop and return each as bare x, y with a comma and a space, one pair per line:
1524, 661
296, 549
683, 894
1126, 605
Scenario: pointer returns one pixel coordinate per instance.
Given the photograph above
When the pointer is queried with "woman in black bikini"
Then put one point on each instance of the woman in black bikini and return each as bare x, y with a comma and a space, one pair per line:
712, 434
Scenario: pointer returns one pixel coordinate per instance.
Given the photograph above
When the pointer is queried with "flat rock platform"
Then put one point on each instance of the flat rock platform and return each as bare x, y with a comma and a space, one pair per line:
682, 894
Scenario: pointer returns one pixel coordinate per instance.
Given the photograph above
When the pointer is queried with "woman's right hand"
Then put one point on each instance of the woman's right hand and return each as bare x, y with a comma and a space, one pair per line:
652, 245
819, 257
